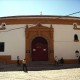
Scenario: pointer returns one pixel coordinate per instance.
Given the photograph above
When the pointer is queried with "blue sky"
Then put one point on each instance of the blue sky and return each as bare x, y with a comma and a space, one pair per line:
34, 7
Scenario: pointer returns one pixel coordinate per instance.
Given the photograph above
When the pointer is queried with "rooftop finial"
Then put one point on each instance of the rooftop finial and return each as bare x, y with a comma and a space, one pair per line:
51, 26
41, 13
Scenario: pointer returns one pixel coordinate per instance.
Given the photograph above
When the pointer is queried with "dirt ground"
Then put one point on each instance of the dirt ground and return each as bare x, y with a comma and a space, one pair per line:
70, 73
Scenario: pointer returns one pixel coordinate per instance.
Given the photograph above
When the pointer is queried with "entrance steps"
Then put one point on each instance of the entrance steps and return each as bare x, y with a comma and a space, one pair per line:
39, 64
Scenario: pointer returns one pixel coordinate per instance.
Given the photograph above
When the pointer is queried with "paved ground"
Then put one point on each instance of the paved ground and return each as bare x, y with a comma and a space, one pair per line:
40, 72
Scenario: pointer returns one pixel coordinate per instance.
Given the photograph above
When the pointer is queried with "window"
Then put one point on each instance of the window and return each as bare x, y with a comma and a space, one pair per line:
74, 25
1, 46
77, 53
76, 37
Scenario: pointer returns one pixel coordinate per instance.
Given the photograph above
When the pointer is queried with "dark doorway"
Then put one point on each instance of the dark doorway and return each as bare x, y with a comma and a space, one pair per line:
39, 49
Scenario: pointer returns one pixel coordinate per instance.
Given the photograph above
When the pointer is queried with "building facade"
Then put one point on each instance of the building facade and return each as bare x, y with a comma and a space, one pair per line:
39, 38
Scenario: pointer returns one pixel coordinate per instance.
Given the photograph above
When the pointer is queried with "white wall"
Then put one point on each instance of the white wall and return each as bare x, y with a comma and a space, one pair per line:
14, 41
64, 45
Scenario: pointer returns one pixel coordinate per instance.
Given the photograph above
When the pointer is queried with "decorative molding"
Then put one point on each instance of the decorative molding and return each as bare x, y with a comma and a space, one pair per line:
51, 51
3, 26
76, 40
39, 25
76, 28
51, 26
27, 51
75, 25
41, 17
26, 26
39, 33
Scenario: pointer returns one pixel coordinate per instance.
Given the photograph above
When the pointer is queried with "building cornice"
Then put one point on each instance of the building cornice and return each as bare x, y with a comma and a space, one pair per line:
43, 19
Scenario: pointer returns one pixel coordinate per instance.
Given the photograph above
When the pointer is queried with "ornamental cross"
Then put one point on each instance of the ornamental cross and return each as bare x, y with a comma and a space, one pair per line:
41, 13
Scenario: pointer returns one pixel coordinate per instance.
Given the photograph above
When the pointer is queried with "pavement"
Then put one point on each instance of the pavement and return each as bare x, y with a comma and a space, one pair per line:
40, 72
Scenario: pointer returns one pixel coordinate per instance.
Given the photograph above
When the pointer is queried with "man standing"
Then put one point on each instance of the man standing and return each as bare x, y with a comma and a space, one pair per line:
24, 65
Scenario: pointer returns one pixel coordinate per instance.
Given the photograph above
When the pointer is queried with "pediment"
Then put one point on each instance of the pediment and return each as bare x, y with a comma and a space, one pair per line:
39, 26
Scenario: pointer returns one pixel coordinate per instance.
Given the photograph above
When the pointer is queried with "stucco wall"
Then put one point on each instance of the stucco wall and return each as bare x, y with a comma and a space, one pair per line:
64, 45
14, 41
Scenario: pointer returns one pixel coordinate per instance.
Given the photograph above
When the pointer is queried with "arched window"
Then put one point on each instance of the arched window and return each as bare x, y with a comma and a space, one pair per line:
77, 53
76, 37
74, 25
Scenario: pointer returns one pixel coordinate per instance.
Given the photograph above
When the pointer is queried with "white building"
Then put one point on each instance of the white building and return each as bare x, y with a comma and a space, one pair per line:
39, 38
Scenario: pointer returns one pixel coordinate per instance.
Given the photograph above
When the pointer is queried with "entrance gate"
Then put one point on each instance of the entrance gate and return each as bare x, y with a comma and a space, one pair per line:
39, 49
39, 43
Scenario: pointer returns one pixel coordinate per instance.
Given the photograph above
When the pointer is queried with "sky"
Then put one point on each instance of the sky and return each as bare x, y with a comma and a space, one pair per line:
35, 7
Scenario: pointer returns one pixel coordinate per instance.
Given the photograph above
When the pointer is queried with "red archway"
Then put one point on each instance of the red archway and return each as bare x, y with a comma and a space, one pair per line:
39, 50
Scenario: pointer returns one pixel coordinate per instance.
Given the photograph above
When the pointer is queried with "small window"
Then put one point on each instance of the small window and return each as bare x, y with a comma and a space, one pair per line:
76, 38
77, 53
74, 25
1, 46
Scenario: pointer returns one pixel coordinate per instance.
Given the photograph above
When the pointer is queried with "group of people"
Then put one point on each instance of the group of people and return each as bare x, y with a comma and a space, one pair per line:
24, 64
61, 61
57, 60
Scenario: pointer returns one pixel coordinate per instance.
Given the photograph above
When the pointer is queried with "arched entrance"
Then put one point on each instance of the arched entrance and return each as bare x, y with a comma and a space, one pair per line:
37, 47
39, 50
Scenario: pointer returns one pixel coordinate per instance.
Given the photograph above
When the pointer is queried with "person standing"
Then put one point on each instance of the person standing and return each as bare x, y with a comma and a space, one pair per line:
18, 61
24, 66
62, 61
56, 60
79, 60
